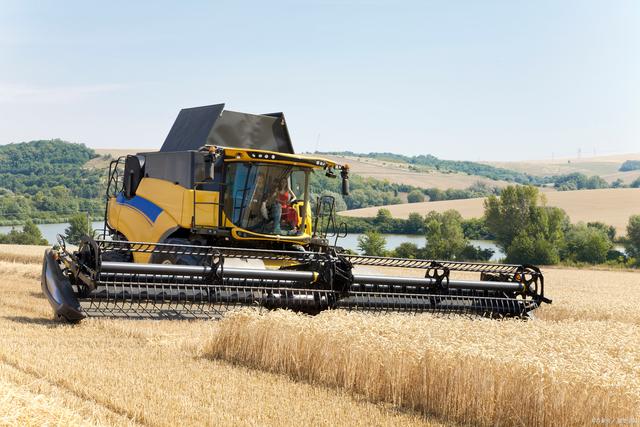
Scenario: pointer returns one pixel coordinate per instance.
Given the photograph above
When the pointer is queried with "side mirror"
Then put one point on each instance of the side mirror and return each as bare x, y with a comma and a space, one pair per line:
344, 173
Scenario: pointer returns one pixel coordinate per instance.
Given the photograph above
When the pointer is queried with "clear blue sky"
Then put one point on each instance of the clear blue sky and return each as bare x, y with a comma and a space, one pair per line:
458, 79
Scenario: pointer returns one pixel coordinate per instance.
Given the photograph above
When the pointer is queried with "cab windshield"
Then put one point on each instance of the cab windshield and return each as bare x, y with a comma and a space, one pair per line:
266, 199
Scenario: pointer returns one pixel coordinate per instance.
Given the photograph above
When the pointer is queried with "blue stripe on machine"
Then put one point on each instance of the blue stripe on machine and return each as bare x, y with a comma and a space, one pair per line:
144, 206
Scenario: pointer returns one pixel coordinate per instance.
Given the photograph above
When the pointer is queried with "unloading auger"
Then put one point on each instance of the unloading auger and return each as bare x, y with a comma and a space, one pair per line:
83, 283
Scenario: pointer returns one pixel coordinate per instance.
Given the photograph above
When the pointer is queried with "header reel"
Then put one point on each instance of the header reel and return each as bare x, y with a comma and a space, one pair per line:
99, 278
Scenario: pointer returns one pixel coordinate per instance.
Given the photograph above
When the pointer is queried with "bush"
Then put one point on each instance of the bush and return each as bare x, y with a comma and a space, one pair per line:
30, 235
475, 253
476, 229
416, 196
384, 222
618, 183
340, 203
414, 224
609, 230
407, 250
632, 244
372, 243
533, 250
579, 181
630, 165
587, 244
527, 232
78, 228
445, 238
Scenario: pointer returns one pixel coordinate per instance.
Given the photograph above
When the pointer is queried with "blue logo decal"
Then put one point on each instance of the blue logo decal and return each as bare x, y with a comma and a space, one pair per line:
142, 205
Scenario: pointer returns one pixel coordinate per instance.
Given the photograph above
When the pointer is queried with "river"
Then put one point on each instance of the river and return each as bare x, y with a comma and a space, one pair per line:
49, 232
394, 240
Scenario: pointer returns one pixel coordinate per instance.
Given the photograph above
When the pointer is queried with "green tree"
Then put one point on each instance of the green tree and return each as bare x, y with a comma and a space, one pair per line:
383, 216
630, 165
415, 196
529, 249
526, 231
506, 216
445, 238
476, 253
407, 250
78, 227
414, 224
476, 229
609, 230
372, 243
384, 222
618, 183
587, 244
632, 244
340, 203
30, 235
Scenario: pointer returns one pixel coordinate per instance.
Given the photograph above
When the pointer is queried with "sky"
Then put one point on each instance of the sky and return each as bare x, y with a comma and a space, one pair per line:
469, 80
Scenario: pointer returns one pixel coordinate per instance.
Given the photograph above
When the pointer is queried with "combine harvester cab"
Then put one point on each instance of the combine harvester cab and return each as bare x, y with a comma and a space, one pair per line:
220, 217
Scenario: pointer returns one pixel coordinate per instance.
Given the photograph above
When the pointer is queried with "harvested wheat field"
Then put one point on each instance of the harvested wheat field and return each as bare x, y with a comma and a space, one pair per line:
25, 254
612, 206
577, 361
401, 174
134, 372
589, 165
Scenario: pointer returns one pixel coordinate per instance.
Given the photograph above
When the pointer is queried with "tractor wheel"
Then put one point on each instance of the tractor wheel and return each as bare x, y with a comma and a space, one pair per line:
175, 257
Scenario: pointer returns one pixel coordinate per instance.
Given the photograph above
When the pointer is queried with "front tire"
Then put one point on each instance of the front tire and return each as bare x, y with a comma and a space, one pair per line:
176, 255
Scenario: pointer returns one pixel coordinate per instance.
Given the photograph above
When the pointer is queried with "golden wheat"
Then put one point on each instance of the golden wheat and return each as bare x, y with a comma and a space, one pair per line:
29, 401
577, 294
577, 362
121, 372
27, 254
481, 372
592, 295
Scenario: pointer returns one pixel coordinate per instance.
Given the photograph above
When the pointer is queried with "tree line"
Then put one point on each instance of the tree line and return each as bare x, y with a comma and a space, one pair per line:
429, 162
48, 181
30, 234
565, 182
45, 181
366, 192
524, 228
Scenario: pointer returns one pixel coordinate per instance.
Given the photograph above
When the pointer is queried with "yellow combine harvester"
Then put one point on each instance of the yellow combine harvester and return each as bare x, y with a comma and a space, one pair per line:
221, 216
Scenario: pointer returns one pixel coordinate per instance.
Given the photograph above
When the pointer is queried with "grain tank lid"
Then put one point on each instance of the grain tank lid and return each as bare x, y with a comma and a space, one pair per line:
213, 125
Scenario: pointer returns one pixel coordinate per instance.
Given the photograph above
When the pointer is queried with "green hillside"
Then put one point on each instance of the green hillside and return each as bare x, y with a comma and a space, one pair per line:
45, 181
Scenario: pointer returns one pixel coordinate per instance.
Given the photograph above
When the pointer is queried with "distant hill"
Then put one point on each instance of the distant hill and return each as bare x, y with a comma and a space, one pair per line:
607, 167
426, 171
45, 181
429, 163
612, 206
402, 173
